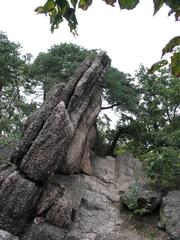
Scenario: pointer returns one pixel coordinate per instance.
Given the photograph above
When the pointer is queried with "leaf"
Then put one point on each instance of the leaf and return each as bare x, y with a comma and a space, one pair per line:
56, 20
39, 9
157, 5
110, 2
177, 15
156, 66
128, 4
49, 6
84, 4
62, 4
175, 64
173, 4
170, 45
74, 3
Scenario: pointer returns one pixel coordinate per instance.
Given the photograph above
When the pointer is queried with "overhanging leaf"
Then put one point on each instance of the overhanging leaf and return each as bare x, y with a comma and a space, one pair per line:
171, 45
175, 64
128, 4
84, 4
110, 2
157, 5
74, 3
39, 9
156, 66
62, 5
56, 20
49, 6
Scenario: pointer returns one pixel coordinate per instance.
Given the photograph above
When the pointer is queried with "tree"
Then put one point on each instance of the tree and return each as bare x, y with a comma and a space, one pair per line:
152, 133
14, 86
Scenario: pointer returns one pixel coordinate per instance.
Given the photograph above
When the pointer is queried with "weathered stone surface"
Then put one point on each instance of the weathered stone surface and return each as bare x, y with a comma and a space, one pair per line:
41, 230
36, 121
128, 171
50, 146
144, 197
104, 169
7, 236
83, 108
110, 236
56, 206
18, 197
170, 214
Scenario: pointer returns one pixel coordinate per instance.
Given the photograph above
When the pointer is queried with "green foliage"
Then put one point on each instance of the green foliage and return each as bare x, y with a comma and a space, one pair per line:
60, 10
14, 86
128, 4
163, 164
157, 66
131, 200
175, 64
120, 91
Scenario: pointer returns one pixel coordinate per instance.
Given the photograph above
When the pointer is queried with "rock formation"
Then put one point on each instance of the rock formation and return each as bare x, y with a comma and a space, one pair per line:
53, 190
56, 137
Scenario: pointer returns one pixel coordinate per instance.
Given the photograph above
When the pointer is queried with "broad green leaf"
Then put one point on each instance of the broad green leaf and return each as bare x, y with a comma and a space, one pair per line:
56, 20
128, 4
173, 4
156, 66
175, 64
170, 45
39, 9
74, 3
110, 2
84, 4
62, 4
157, 5
49, 6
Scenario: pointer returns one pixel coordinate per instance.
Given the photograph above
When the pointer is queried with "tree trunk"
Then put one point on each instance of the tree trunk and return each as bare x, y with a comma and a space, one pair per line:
120, 131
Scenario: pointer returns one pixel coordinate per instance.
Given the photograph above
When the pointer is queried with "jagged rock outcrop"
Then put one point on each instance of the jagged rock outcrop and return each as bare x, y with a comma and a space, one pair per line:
170, 214
65, 120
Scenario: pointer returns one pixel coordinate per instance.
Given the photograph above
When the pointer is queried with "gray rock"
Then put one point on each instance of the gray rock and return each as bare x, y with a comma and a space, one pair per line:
128, 171
142, 198
170, 214
56, 206
104, 169
35, 123
110, 236
18, 197
50, 146
41, 230
83, 108
7, 236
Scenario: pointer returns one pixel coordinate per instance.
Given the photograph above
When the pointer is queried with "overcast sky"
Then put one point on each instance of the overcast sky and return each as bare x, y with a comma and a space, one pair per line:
129, 37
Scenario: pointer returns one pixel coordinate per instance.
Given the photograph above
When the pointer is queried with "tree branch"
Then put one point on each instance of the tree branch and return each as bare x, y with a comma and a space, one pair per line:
109, 107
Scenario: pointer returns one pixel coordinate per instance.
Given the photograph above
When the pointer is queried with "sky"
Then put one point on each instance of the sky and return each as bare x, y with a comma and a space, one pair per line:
129, 37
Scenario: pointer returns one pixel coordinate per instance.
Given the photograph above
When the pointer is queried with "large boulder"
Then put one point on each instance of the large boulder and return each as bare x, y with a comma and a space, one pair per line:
170, 214
18, 198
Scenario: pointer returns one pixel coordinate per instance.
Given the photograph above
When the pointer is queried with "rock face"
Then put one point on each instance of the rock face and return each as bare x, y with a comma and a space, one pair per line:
65, 120
170, 214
